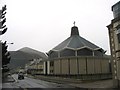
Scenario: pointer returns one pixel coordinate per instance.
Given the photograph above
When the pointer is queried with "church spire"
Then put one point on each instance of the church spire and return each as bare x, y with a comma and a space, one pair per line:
74, 30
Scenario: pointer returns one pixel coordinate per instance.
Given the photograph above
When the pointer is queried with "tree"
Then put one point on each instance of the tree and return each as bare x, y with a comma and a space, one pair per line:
5, 57
3, 27
5, 54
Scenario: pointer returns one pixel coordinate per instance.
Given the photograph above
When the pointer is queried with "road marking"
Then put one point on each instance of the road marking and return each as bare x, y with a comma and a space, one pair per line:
15, 79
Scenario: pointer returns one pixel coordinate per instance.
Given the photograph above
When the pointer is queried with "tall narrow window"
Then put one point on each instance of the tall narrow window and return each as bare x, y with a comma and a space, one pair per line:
118, 34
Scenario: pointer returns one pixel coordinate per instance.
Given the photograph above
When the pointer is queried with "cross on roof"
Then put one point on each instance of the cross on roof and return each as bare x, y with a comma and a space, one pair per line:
74, 23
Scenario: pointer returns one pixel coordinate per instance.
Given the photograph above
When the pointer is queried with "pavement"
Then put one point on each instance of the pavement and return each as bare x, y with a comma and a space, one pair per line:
104, 84
7, 82
77, 82
95, 84
8, 79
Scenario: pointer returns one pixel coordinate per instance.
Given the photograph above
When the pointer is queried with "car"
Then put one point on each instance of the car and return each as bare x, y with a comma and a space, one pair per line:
20, 75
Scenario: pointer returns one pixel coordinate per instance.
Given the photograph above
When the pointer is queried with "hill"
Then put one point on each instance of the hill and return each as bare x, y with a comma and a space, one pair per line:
23, 56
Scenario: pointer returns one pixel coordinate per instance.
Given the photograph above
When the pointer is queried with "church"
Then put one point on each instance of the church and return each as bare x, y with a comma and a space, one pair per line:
78, 57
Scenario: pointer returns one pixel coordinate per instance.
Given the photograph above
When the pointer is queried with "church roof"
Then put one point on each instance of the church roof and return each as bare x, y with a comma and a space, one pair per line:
75, 42
75, 45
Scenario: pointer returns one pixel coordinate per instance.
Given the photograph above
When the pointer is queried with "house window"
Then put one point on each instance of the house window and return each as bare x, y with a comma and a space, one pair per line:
51, 63
118, 35
51, 71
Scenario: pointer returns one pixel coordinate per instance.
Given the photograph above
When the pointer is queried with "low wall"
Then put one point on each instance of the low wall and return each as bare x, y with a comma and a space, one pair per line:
86, 76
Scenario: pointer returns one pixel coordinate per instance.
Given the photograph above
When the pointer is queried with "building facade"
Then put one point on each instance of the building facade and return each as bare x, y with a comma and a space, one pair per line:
77, 57
114, 37
35, 67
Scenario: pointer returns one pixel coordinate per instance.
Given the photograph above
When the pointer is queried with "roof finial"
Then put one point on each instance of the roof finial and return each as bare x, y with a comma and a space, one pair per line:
74, 23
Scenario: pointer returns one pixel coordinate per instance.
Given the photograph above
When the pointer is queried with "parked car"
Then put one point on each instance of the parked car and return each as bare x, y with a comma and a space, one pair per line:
20, 75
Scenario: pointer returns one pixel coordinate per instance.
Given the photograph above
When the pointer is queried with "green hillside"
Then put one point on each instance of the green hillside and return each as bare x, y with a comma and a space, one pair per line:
23, 56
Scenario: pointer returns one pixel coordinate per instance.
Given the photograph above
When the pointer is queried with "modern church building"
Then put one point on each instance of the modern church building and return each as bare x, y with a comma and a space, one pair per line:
78, 57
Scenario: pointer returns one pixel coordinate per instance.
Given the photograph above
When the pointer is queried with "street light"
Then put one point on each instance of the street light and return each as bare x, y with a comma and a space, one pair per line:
10, 43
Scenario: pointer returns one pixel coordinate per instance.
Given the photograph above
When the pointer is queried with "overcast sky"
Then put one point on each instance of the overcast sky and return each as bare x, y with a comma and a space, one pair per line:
43, 24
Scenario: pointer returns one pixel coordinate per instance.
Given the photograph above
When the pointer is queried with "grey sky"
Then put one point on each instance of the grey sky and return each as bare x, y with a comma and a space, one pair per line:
43, 24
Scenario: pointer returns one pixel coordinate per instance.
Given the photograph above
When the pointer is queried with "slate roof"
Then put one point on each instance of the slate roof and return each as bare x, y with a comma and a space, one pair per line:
75, 43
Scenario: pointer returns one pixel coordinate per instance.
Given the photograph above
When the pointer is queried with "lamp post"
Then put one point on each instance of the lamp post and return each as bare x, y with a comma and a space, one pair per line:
10, 43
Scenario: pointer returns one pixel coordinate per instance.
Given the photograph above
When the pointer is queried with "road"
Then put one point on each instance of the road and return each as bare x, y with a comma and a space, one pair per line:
33, 83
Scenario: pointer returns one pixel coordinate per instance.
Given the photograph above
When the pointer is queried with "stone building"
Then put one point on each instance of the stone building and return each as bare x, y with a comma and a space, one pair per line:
114, 37
35, 67
76, 56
